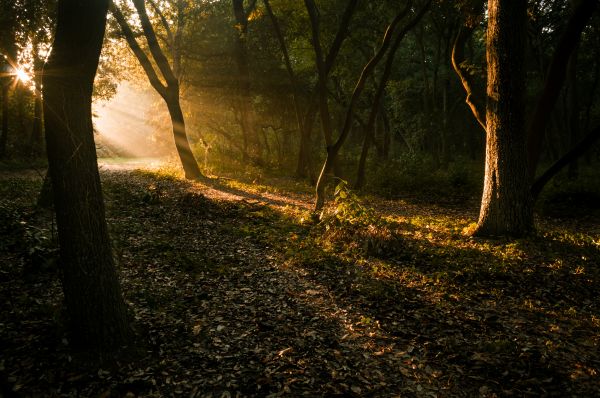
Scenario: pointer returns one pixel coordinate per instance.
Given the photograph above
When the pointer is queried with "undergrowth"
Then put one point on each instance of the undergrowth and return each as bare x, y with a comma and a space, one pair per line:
348, 225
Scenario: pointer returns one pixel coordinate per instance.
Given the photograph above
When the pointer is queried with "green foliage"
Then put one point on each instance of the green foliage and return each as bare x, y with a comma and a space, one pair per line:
348, 210
417, 175
349, 225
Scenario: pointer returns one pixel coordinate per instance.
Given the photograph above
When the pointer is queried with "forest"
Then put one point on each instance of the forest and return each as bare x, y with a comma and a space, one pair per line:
265, 198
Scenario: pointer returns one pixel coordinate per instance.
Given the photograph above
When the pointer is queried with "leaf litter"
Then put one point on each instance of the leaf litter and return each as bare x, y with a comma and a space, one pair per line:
233, 296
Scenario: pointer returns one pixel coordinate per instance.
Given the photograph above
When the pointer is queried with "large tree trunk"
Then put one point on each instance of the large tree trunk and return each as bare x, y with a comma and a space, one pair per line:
97, 312
507, 205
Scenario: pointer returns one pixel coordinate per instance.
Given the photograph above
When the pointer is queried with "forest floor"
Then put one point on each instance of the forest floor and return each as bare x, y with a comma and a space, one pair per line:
236, 291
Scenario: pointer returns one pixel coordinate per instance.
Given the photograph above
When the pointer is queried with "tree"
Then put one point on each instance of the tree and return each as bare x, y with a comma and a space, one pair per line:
324, 64
507, 205
97, 312
244, 98
334, 147
376, 106
303, 161
38, 18
169, 90
555, 78
8, 51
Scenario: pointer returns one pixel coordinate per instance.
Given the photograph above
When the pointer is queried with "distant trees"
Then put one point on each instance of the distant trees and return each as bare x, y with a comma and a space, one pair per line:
333, 147
8, 52
244, 103
257, 79
555, 80
97, 312
25, 34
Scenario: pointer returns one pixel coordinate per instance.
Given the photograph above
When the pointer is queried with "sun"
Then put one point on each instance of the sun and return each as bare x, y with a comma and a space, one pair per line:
22, 75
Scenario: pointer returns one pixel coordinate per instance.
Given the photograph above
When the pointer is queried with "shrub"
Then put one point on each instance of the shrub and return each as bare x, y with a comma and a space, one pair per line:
348, 225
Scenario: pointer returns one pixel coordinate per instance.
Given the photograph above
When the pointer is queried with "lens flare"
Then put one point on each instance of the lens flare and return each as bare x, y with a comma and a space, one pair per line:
22, 75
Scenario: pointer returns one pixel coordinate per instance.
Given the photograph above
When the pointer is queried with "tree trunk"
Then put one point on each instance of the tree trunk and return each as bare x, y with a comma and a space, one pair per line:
575, 153
169, 91
186, 156
4, 132
555, 79
333, 150
379, 91
304, 165
35, 139
97, 312
573, 114
248, 126
45, 196
507, 205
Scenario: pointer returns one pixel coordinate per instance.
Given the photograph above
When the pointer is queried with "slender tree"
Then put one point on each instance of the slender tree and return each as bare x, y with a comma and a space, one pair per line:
244, 98
334, 148
8, 52
325, 63
555, 79
304, 162
169, 89
507, 205
379, 91
97, 312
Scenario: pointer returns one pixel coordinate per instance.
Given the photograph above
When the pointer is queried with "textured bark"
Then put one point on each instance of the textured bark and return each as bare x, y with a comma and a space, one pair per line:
97, 312
507, 205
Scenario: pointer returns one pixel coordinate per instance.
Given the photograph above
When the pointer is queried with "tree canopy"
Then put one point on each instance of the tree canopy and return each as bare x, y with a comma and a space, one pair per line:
317, 197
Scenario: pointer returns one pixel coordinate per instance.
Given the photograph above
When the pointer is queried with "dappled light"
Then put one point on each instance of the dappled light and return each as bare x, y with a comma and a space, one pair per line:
234, 198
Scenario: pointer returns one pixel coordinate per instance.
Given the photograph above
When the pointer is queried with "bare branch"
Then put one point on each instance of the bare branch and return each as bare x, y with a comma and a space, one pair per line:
155, 50
137, 50
459, 65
